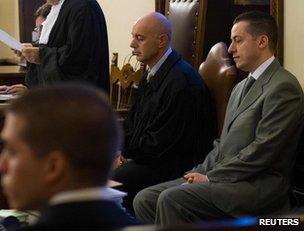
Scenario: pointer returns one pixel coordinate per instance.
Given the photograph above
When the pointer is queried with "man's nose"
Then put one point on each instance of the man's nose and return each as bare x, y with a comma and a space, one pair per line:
133, 44
231, 49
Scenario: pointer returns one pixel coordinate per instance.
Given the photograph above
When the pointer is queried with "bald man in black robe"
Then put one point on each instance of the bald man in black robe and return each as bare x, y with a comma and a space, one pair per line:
171, 125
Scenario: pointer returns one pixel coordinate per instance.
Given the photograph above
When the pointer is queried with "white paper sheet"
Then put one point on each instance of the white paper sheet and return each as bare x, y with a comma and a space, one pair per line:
10, 41
5, 97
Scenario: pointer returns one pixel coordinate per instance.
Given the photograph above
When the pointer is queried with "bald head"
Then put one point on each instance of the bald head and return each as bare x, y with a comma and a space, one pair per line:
151, 38
156, 23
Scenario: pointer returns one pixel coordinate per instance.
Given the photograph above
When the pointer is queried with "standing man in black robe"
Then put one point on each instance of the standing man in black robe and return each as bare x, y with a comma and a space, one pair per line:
73, 46
170, 127
40, 16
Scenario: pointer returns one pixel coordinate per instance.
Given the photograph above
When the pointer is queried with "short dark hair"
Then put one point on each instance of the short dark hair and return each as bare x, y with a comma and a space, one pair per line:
76, 120
43, 11
261, 23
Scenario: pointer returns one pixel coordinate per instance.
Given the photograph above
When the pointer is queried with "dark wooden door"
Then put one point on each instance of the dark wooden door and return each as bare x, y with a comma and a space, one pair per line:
27, 8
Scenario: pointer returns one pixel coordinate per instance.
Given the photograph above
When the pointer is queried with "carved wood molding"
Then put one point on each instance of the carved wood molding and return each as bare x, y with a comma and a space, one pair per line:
124, 83
251, 2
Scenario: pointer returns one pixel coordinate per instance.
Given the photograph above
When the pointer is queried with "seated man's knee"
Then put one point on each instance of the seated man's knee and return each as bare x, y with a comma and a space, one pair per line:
168, 196
142, 199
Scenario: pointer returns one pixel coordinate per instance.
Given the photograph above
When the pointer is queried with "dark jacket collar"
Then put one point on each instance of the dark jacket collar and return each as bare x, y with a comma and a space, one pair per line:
85, 213
162, 72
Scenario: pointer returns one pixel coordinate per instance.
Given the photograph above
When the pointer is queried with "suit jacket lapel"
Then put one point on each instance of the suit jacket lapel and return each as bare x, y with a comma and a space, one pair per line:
254, 93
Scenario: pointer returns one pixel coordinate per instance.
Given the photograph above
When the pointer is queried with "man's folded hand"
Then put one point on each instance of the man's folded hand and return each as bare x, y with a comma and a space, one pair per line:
195, 177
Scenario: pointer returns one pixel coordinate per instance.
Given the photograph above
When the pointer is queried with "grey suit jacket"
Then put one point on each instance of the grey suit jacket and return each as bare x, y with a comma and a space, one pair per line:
250, 166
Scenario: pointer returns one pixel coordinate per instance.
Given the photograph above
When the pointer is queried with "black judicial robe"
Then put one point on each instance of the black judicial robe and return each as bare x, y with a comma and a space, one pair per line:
77, 49
171, 126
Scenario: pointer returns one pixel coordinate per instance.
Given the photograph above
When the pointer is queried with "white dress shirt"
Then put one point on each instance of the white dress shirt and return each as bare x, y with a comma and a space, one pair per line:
88, 194
48, 24
155, 68
259, 71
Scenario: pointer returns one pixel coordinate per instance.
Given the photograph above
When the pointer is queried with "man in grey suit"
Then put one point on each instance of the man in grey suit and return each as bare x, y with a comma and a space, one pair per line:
248, 171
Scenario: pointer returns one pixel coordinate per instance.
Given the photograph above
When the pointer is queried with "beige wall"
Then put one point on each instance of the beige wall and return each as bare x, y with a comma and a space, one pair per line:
294, 38
9, 22
120, 16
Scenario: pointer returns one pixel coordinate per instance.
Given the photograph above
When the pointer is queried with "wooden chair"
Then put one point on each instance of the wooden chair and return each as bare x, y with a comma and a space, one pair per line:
195, 26
213, 20
187, 17
123, 85
220, 77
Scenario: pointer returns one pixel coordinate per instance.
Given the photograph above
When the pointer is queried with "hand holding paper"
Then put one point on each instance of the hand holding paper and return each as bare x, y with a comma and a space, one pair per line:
31, 54
10, 41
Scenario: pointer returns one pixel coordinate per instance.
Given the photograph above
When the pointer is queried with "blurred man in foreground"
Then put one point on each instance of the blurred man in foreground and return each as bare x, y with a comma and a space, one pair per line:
59, 145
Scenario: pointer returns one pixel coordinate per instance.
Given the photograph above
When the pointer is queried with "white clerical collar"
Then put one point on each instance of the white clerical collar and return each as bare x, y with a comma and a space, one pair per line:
160, 62
88, 194
49, 22
259, 71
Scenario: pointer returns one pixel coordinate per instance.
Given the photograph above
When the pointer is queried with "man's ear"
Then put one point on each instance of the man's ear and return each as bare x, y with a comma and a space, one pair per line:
263, 41
163, 40
56, 166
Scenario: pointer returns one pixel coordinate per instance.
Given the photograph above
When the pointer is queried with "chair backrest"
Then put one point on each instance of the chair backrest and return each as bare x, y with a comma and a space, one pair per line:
123, 84
188, 28
220, 77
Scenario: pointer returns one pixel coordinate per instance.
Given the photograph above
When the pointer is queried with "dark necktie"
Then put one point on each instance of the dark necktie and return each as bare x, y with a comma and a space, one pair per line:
249, 81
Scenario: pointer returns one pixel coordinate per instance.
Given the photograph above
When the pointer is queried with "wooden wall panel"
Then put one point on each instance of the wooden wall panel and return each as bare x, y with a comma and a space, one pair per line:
27, 8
